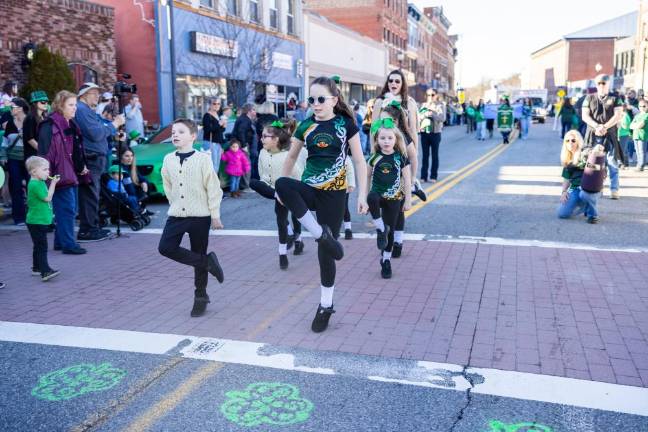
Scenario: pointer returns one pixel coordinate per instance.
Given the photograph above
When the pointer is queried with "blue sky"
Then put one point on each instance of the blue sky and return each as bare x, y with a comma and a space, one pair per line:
498, 36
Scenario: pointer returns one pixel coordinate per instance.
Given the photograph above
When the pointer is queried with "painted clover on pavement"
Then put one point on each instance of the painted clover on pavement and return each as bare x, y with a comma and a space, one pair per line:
266, 403
498, 426
77, 380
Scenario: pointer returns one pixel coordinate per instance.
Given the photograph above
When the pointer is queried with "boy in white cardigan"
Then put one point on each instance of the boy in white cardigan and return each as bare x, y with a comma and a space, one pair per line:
194, 195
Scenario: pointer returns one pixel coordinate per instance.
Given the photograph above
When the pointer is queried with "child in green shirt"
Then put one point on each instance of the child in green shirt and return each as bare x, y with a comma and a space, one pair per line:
39, 213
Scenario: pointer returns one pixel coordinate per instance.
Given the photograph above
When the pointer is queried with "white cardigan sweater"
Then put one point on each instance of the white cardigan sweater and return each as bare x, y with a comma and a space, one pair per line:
193, 189
271, 165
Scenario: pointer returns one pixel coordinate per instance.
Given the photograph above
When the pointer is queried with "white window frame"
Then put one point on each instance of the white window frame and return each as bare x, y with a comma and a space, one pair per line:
259, 12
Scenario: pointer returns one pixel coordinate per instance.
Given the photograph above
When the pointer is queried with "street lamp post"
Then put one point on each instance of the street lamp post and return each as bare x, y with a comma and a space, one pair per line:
168, 5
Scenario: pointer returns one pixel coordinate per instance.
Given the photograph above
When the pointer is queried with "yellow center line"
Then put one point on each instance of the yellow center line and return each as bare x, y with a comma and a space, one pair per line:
457, 173
172, 399
450, 181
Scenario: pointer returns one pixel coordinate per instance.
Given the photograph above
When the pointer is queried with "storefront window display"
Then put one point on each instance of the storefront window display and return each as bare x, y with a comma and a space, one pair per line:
193, 95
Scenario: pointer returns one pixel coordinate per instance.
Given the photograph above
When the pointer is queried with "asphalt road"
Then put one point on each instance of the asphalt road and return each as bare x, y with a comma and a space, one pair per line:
53, 388
513, 195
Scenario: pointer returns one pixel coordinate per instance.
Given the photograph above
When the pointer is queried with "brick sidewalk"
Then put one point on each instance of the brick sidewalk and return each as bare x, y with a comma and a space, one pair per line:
573, 313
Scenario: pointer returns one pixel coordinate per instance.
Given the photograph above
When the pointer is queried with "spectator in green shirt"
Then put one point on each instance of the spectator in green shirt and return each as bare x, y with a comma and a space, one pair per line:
39, 213
639, 128
567, 117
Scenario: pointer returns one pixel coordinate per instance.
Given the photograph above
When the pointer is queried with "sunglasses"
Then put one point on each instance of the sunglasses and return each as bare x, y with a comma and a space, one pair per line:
394, 80
320, 99
643, 106
601, 83
431, 94
570, 140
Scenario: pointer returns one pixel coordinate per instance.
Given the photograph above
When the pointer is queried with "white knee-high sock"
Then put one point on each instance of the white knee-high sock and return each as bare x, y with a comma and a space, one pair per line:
326, 299
398, 236
386, 255
379, 224
283, 249
310, 223
347, 225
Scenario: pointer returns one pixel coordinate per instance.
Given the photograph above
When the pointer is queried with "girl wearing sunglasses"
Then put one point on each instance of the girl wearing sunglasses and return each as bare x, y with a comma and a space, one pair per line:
573, 198
275, 138
328, 135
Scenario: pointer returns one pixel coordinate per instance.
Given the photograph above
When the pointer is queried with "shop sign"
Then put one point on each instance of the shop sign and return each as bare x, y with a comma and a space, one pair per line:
210, 44
282, 61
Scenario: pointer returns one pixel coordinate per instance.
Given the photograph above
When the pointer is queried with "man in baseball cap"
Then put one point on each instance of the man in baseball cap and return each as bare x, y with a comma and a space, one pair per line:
95, 141
602, 111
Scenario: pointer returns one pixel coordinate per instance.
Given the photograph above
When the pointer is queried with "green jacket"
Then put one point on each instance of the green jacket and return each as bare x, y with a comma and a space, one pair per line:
479, 116
639, 133
567, 114
624, 125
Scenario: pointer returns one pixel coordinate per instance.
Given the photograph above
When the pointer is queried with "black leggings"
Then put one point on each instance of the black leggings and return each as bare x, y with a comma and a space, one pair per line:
267, 191
347, 214
299, 198
391, 210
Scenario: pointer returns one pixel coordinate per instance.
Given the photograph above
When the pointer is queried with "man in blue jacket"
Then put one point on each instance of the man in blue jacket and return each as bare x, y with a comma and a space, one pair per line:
95, 140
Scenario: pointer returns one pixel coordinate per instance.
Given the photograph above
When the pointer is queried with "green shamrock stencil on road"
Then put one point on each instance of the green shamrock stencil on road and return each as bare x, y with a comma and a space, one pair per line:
498, 426
266, 403
77, 380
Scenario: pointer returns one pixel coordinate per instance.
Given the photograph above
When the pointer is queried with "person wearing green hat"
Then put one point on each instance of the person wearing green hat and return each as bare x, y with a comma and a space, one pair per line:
133, 138
37, 113
116, 185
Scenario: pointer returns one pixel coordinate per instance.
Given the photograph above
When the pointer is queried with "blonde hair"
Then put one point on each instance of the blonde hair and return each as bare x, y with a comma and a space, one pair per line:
60, 99
400, 141
567, 156
34, 162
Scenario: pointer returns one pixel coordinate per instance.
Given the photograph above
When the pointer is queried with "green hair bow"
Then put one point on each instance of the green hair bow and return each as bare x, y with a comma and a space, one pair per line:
337, 79
386, 123
277, 124
395, 103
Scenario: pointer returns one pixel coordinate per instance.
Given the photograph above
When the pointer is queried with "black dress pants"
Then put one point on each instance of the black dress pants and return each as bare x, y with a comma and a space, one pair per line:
198, 230
430, 143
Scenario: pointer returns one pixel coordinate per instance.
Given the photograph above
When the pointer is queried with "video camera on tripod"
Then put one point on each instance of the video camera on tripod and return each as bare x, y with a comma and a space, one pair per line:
122, 88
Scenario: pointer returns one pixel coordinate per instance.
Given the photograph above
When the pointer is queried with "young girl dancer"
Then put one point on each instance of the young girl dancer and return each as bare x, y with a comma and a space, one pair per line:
389, 177
328, 136
395, 113
276, 142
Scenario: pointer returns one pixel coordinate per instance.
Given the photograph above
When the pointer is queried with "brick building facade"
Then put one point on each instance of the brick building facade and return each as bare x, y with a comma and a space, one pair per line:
81, 31
574, 60
381, 20
443, 50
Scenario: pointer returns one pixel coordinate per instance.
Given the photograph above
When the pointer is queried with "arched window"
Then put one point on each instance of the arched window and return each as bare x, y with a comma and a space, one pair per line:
83, 74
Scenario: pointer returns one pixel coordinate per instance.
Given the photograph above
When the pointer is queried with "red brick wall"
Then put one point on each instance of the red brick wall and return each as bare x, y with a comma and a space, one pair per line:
584, 54
81, 31
367, 17
136, 50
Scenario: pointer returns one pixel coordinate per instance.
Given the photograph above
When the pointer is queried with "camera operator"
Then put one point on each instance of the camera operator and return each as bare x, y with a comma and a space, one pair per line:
601, 112
95, 139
